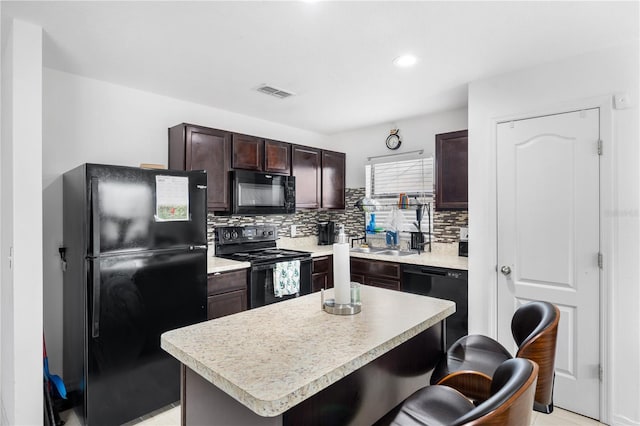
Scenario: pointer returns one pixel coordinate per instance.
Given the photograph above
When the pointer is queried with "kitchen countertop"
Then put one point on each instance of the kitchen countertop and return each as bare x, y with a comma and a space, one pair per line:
443, 255
219, 264
284, 369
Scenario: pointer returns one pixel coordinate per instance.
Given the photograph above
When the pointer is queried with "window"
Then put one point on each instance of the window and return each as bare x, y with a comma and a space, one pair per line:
385, 181
413, 177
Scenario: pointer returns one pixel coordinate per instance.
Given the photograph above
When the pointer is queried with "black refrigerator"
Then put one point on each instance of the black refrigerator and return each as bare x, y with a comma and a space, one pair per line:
135, 244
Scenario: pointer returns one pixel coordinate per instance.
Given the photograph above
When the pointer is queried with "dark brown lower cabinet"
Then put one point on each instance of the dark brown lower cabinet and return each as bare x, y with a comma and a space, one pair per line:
376, 273
322, 273
226, 293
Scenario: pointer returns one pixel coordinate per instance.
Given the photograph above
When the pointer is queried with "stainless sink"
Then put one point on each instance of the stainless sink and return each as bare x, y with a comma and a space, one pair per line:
363, 250
381, 250
395, 252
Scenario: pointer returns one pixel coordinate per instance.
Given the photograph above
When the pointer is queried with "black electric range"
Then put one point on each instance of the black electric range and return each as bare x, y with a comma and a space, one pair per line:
256, 244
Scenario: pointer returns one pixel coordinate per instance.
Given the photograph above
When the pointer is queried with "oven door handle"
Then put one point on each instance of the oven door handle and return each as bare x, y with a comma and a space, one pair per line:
271, 265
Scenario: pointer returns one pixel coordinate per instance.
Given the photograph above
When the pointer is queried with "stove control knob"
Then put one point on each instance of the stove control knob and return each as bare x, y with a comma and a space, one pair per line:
226, 235
234, 235
264, 233
270, 232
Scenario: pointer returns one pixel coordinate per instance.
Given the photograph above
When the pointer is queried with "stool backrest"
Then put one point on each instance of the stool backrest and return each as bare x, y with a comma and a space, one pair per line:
512, 391
535, 329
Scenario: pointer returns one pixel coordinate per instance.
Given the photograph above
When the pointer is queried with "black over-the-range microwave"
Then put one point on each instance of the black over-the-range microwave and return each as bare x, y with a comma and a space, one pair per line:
262, 193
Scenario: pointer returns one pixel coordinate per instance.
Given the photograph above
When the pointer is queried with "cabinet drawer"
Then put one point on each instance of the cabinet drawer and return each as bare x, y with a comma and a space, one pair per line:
383, 282
375, 267
222, 282
226, 304
322, 264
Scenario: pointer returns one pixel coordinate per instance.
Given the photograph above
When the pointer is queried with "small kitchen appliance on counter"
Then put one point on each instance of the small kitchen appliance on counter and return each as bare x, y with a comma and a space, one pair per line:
326, 233
256, 244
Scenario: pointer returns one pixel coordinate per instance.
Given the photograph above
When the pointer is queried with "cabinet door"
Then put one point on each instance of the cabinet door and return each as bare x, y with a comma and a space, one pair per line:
318, 282
357, 278
208, 149
451, 170
226, 303
247, 152
333, 180
305, 166
322, 277
277, 157
227, 293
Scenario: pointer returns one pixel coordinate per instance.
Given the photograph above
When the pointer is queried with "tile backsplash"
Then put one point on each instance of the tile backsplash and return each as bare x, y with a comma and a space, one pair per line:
446, 223
306, 221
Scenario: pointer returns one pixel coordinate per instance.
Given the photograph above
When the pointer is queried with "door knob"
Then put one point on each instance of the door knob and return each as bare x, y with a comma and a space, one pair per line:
505, 270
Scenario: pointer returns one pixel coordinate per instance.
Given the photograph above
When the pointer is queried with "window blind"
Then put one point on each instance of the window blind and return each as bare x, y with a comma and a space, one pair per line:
413, 177
385, 181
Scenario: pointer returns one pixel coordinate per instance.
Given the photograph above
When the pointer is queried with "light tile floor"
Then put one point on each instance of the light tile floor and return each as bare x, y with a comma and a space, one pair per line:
171, 417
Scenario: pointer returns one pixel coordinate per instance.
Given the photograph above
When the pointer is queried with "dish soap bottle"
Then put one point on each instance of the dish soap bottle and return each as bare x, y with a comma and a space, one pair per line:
372, 223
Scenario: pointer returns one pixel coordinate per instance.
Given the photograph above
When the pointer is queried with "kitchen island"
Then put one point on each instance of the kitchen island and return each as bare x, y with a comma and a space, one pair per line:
292, 363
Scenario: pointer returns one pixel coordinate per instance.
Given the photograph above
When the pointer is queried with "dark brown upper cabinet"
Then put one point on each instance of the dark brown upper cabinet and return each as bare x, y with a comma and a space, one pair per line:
320, 177
306, 167
262, 155
277, 157
247, 152
452, 171
201, 148
333, 180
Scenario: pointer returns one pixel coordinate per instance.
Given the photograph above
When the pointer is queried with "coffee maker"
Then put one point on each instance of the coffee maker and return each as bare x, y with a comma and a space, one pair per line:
326, 233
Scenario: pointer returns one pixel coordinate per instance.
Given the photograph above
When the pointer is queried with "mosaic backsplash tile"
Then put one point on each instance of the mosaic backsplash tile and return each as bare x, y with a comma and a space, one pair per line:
446, 223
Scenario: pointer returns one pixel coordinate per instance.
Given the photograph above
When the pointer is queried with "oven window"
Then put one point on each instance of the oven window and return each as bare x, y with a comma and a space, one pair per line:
256, 194
261, 285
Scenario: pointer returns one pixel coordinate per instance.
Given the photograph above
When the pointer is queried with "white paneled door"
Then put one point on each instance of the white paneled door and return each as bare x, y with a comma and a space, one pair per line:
548, 241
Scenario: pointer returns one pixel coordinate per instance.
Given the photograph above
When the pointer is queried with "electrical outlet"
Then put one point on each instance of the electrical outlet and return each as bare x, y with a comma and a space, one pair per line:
464, 233
293, 230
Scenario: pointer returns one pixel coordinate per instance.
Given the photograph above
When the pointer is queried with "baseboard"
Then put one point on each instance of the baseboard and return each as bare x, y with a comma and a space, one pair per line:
624, 421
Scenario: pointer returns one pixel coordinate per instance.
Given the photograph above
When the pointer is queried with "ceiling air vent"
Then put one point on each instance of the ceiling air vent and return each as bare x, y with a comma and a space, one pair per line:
274, 91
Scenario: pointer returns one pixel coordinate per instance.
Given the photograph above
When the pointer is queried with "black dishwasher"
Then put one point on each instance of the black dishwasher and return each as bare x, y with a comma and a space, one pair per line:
443, 283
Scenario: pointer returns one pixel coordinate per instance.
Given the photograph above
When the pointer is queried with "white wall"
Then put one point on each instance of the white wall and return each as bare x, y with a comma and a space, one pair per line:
537, 89
21, 223
416, 133
87, 120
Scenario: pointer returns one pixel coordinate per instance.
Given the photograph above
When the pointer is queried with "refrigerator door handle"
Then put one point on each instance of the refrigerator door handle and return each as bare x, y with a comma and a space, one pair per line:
95, 299
95, 218
95, 249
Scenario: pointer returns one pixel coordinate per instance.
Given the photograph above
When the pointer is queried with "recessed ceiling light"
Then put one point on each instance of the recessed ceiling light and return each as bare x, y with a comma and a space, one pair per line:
405, 61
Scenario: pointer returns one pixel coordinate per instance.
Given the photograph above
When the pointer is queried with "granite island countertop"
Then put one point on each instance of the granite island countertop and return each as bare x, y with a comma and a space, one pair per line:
272, 358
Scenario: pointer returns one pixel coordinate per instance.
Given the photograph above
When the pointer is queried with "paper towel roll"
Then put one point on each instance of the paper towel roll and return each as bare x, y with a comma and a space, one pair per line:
341, 273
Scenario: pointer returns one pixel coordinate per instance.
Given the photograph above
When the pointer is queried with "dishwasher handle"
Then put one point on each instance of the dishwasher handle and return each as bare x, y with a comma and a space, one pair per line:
424, 270
434, 272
